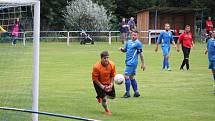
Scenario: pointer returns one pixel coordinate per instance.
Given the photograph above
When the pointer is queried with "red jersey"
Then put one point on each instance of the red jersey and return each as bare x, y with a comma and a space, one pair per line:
186, 39
208, 25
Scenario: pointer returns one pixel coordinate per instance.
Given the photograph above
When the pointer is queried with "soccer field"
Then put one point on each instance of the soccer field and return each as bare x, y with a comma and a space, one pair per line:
66, 85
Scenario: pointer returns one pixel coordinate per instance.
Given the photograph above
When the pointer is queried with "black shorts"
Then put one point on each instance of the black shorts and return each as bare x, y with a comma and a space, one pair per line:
101, 93
186, 52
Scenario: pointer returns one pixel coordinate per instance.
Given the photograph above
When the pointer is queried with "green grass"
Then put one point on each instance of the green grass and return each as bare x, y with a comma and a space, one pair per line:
66, 86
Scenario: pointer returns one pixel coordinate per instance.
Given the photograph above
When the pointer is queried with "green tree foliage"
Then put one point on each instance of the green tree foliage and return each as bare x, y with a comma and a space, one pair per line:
86, 15
128, 8
51, 13
51, 10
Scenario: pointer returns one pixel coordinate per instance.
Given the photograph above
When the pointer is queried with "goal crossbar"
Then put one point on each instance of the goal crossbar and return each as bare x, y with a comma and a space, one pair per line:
16, 3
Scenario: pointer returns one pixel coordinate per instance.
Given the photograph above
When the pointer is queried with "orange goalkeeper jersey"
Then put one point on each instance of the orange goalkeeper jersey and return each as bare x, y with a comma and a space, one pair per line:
103, 74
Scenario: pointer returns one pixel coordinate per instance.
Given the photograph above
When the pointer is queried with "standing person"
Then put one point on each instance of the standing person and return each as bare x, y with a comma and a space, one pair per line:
211, 56
124, 28
131, 24
208, 25
132, 48
102, 76
186, 41
15, 32
165, 38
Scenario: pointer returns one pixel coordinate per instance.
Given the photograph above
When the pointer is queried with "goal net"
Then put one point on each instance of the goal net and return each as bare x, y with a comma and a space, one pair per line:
19, 65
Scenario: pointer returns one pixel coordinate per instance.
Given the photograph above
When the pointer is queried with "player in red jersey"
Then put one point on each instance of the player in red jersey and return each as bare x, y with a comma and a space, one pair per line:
186, 41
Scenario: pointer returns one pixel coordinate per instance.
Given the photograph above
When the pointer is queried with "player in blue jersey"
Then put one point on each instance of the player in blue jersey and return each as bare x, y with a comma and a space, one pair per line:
165, 39
211, 56
132, 48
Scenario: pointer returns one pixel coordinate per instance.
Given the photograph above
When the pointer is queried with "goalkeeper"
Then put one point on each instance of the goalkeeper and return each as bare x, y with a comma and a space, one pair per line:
102, 76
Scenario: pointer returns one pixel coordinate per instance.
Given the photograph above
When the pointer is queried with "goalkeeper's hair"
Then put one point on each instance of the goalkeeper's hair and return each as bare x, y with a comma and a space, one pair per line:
104, 54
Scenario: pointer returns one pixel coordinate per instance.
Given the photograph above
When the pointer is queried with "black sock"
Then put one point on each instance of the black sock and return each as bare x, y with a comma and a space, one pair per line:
187, 64
182, 65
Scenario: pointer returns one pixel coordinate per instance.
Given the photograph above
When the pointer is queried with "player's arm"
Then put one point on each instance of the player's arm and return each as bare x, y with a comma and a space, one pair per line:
192, 44
113, 73
210, 25
156, 48
173, 42
142, 61
206, 51
178, 42
123, 49
99, 84
158, 41
140, 52
95, 78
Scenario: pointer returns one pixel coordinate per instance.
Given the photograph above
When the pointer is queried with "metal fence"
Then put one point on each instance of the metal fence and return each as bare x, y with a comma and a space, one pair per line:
74, 36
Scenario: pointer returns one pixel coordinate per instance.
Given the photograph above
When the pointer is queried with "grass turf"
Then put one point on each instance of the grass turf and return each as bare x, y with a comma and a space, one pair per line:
66, 86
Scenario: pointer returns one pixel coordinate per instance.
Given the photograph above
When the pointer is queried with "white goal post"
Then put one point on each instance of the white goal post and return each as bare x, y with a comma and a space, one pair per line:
36, 45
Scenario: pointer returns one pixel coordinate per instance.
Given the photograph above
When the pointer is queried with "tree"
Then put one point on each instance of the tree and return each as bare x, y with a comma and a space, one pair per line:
86, 15
129, 8
110, 6
51, 14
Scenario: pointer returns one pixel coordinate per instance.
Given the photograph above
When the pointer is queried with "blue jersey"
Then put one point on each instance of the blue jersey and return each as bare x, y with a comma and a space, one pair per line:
132, 49
165, 38
211, 49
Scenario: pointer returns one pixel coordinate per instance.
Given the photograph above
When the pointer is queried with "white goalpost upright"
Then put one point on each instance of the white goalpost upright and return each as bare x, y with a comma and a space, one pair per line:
36, 41
36, 46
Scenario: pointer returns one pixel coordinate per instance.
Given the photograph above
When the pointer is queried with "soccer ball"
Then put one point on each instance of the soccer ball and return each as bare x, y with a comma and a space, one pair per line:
119, 79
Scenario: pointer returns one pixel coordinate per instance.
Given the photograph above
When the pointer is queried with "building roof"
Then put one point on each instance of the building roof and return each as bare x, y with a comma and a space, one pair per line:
171, 10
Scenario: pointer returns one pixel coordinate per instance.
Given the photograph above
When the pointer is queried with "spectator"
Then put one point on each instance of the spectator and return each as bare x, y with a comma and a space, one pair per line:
124, 28
209, 25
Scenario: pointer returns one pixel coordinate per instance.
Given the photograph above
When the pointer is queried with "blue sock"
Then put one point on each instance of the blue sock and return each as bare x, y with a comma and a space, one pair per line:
164, 63
214, 76
134, 85
167, 63
127, 86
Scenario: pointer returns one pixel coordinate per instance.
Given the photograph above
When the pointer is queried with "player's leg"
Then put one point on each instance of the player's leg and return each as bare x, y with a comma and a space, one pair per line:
134, 82
111, 94
167, 59
13, 40
134, 86
167, 62
101, 94
213, 72
164, 62
128, 72
184, 61
164, 50
105, 105
187, 58
127, 86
